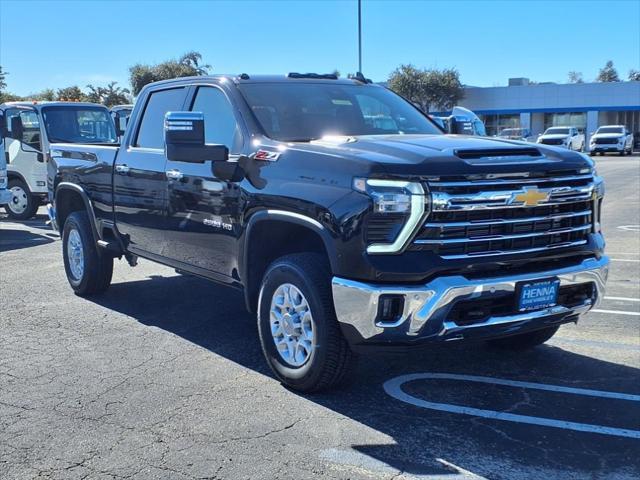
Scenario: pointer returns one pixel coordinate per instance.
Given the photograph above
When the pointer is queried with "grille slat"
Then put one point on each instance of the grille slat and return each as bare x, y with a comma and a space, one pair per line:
494, 217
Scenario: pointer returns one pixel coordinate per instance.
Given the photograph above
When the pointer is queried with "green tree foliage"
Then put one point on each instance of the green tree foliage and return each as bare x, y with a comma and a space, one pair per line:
634, 75
70, 94
575, 77
188, 65
46, 95
608, 73
429, 88
109, 96
3, 79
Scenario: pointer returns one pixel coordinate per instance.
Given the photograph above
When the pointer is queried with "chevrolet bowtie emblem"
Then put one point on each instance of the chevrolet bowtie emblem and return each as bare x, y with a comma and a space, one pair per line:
530, 197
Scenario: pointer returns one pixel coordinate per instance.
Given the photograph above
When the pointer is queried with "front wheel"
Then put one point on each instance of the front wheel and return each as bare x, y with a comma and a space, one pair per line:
88, 269
23, 205
524, 341
300, 336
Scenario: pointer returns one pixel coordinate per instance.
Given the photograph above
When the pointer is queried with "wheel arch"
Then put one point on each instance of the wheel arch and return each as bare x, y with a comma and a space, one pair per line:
268, 236
72, 198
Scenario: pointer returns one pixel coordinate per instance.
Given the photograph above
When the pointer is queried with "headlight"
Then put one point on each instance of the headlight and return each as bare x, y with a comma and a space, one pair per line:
398, 209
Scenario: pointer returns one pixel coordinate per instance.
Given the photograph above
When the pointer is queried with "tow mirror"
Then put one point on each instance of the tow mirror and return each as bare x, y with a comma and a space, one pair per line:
17, 129
184, 139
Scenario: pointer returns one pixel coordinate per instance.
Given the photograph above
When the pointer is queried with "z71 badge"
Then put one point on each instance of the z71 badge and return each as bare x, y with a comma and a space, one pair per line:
266, 156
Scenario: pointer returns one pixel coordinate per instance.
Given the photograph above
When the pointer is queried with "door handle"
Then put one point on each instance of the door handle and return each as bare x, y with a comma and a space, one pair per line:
122, 169
174, 174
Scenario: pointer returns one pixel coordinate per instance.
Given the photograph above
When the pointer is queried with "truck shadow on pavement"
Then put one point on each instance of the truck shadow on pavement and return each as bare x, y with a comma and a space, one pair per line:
214, 318
11, 239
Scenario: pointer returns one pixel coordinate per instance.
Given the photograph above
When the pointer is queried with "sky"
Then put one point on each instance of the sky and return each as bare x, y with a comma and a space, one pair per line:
54, 44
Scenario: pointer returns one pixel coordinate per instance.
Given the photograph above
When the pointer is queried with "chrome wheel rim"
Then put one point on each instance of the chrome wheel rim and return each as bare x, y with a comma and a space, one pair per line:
75, 254
292, 326
20, 201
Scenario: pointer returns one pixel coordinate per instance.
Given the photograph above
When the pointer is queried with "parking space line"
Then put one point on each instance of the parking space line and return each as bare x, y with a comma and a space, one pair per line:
624, 260
393, 388
617, 312
624, 299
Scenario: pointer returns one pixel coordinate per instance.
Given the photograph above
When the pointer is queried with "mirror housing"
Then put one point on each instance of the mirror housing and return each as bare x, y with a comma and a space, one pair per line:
17, 129
184, 139
460, 126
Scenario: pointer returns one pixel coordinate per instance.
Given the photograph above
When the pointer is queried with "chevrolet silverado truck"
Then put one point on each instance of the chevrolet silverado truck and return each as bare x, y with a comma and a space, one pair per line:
611, 138
348, 219
29, 130
566, 137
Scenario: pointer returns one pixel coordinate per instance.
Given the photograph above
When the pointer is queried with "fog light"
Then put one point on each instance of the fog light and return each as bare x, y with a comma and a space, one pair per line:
390, 308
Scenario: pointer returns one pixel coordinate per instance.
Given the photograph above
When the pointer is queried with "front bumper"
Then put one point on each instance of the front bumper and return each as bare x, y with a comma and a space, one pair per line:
603, 147
425, 316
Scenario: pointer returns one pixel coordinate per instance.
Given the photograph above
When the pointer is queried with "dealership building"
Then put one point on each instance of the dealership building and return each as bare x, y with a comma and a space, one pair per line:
538, 106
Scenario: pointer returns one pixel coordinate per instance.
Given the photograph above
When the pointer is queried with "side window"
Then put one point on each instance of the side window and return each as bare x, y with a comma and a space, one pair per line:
151, 131
220, 125
30, 127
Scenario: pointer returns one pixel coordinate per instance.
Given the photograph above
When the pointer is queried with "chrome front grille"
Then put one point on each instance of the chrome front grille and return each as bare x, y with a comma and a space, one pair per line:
488, 217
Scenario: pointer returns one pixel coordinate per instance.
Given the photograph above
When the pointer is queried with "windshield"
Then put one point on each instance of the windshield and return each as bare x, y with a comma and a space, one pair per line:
511, 132
610, 130
557, 131
308, 111
78, 124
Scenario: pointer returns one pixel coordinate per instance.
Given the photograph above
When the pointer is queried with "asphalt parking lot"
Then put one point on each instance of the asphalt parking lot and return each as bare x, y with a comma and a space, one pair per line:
163, 377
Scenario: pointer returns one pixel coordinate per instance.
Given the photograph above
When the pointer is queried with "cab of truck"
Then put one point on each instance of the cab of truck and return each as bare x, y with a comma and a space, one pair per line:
29, 130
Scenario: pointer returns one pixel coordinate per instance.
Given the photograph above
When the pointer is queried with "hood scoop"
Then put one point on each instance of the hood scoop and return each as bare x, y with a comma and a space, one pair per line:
497, 154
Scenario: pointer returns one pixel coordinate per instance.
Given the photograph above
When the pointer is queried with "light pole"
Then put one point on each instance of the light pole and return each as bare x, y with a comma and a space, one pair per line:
359, 36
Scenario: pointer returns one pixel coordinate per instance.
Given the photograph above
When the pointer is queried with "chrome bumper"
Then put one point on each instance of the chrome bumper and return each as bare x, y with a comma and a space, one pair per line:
424, 316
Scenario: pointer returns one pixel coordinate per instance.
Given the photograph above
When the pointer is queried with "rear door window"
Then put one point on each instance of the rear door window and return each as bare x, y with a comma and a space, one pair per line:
151, 131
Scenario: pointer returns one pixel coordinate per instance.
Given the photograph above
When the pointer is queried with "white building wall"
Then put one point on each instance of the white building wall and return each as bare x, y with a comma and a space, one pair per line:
551, 97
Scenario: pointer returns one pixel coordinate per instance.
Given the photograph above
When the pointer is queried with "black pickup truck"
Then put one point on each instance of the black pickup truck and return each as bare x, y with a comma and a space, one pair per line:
350, 221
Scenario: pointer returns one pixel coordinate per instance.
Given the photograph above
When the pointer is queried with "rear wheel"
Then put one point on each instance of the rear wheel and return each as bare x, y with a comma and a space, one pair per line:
524, 341
23, 205
88, 269
300, 336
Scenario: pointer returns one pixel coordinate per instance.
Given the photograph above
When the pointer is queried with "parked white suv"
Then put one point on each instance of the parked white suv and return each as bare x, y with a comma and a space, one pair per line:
567, 137
611, 138
30, 128
5, 194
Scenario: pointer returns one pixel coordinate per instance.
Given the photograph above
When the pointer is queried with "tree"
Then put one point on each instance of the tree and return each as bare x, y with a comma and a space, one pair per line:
188, 65
608, 73
575, 77
109, 95
634, 75
3, 77
440, 89
408, 81
70, 94
46, 95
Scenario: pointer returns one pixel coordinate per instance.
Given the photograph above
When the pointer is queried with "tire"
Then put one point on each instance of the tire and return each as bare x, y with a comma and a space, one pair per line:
97, 267
24, 205
524, 341
326, 358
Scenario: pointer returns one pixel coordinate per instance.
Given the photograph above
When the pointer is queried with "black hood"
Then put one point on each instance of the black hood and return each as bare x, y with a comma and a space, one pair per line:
435, 155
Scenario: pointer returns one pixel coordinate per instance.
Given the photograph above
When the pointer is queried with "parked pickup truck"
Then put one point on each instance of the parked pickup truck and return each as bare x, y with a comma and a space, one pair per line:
345, 234
612, 138
566, 137
29, 130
